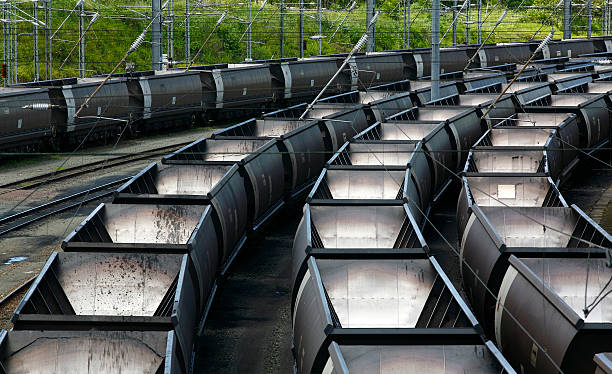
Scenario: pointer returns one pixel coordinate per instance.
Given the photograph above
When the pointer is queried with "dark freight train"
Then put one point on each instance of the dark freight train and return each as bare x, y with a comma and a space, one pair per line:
137, 277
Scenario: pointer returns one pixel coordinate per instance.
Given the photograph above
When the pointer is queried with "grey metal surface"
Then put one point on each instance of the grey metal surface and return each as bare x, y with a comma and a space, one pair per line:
111, 101
311, 319
377, 68
261, 128
230, 200
510, 191
438, 114
16, 119
364, 184
343, 126
541, 321
567, 277
377, 293
510, 137
265, 170
115, 284
307, 77
504, 54
171, 92
604, 363
216, 150
35, 352
508, 161
406, 130
358, 226
188, 179
434, 359
242, 85
540, 119
151, 223
524, 226
378, 154
307, 153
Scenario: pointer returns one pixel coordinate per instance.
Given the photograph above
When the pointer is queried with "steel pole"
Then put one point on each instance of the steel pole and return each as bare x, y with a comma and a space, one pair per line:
301, 29
406, 24
82, 40
370, 10
187, 31
170, 34
479, 26
249, 28
589, 18
567, 16
435, 49
282, 27
4, 43
455, 22
468, 35
48, 40
36, 57
319, 33
156, 37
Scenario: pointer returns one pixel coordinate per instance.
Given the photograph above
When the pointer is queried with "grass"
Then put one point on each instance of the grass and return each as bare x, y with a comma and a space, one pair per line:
119, 24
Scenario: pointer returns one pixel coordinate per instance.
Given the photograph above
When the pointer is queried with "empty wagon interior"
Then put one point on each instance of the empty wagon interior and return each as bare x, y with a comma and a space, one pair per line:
105, 284
513, 191
140, 223
360, 184
359, 226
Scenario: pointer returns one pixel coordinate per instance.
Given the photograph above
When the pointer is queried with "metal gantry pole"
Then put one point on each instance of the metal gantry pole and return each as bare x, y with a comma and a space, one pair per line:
4, 46
282, 28
36, 57
455, 22
156, 37
567, 17
468, 23
319, 32
589, 18
479, 26
48, 39
435, 49
406, 24
171, 32
15, 41
82, 39
187, 31
370, 10
301, 28
607, 17
249, 28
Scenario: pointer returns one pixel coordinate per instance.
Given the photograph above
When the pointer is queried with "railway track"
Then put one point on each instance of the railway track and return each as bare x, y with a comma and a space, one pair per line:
9, 302
26, 217
62, 174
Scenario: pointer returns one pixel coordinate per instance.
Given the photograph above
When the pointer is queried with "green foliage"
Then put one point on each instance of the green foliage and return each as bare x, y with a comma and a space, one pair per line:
118, 26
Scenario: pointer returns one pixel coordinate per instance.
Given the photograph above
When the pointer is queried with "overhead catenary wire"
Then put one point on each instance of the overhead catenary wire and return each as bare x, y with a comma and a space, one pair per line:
538, 49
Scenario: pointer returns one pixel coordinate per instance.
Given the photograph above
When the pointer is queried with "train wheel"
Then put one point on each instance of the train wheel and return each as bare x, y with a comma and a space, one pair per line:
193, 121
53, 144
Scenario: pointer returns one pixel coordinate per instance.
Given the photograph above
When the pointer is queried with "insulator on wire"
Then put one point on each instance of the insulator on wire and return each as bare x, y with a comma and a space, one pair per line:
373, 21
94, 18
501, 18
221, 18
544, 42
39, 106
137, 42
361, 42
